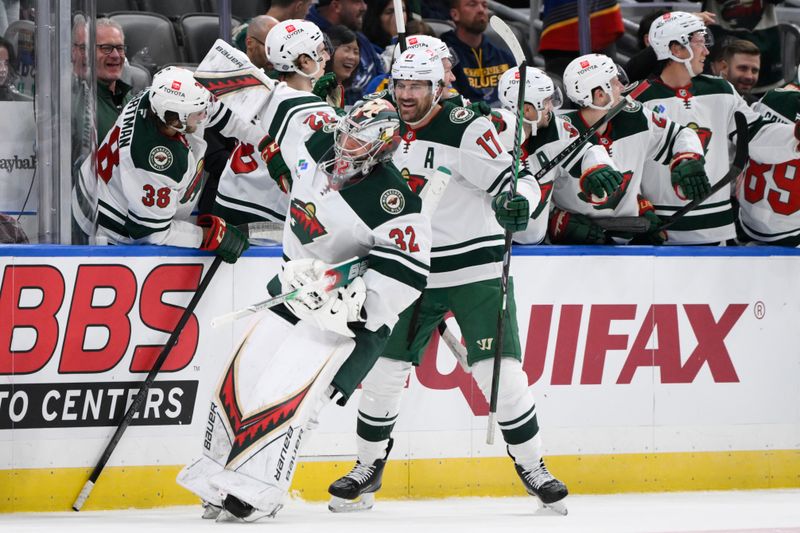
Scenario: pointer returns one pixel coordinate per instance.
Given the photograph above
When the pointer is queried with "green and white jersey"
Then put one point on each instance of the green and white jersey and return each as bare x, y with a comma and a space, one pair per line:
537, 151
147, 183
377, 217
769, 193
246, 192
467, 240
633, 139
707, 106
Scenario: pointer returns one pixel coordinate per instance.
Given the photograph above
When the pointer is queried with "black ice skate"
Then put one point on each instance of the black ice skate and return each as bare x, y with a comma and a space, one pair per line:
235, 510
356, 490
540, 483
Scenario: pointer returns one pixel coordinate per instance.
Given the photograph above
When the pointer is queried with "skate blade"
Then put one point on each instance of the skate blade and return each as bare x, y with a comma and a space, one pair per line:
362, 503
558, 508
227, 516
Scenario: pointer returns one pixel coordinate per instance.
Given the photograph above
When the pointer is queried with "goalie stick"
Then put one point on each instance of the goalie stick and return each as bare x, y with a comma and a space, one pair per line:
642, 225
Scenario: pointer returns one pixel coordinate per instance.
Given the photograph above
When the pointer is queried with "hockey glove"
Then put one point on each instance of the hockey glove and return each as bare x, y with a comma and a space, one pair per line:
599, 182
325, 85
689, 177
511, 213
652, 236
574, 228
304, 274
483, 109
278, 171
344, 305
224, 240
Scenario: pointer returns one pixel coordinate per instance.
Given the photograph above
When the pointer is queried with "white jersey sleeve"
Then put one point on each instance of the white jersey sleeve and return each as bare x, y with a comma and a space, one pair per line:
770, 142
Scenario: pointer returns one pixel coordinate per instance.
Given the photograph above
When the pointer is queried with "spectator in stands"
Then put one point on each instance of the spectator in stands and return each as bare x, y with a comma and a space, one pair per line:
79, 56
257, 30
480, 63
435, 9
558, 43
380, 25
350, 13
740, 64
289, 9
343, 63
753, 21
7, 74
112, 92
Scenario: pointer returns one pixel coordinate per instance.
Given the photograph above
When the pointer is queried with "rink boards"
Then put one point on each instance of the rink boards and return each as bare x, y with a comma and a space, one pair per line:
673, 369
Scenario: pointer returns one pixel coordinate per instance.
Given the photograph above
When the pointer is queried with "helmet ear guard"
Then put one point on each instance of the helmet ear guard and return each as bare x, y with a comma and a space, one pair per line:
175, 89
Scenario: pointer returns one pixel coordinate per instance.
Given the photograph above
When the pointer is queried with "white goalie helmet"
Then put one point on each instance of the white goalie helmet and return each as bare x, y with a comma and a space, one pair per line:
175, 89
588, 72
367, 135
679, 27
292, 38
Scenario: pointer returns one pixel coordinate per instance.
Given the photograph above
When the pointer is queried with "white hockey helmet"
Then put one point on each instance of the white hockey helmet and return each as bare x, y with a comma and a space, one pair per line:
588, 72
367, 135
538, 89
676, 26
292, 38
419, 64
437, 45
175, 89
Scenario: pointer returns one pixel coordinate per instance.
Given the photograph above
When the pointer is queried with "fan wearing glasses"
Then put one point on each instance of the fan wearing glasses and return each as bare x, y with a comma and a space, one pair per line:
112, 92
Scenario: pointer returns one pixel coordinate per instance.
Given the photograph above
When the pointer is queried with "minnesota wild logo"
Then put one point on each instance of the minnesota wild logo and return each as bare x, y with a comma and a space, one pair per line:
305, 224
614, 199
415, 182
703, 133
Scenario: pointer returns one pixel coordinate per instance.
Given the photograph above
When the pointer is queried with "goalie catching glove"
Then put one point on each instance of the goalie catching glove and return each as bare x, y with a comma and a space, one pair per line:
276, 166
689, 177
224, 240
599, 182
512, 213
329, 311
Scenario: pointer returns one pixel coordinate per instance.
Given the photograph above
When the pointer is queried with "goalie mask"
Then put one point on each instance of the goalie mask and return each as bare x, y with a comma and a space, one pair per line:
289, 40
681, 28
175, 89
586, 73
540, 92
366, 136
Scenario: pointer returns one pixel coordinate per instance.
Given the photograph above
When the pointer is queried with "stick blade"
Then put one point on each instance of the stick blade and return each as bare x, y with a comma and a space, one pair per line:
505, 33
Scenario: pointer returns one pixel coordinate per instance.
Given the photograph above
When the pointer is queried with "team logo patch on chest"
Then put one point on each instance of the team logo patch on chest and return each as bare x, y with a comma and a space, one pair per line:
160, 158
461, 115
392, 201
703, 133
415, 182
304, 222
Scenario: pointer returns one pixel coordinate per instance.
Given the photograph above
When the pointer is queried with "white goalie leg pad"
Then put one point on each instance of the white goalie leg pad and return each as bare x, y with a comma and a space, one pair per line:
196, 478
382, 390
515, 402
274, 411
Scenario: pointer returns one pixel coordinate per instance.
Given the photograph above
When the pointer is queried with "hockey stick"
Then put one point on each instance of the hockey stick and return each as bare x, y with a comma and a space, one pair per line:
263, 231
145, 387
623, 224
400, 22
336, 276
739, 162
507, 35
456, 348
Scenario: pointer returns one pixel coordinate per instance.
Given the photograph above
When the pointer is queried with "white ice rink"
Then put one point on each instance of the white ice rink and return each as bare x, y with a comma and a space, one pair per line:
774, 511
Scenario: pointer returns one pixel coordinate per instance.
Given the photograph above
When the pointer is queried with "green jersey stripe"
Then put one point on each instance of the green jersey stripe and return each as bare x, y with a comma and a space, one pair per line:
449, 247
397, 271
251, 205
480, 256
398, 253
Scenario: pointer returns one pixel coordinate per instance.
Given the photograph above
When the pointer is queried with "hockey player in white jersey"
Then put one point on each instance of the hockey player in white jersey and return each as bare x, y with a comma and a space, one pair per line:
247, 191
468, 239
633, 138
769, 194
150, 170
706, 104
545, 135
348, 201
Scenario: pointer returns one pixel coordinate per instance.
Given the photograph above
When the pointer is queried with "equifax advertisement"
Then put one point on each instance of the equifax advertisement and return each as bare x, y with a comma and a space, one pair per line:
625, 353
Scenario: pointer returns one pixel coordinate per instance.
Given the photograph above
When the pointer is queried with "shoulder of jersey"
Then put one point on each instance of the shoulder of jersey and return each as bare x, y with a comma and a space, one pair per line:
706, 84
382, 196
784, 101
154, 152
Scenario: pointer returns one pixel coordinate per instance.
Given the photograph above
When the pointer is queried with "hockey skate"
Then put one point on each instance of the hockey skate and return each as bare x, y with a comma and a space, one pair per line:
356, 490
235, 510
210, 511
540, 483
